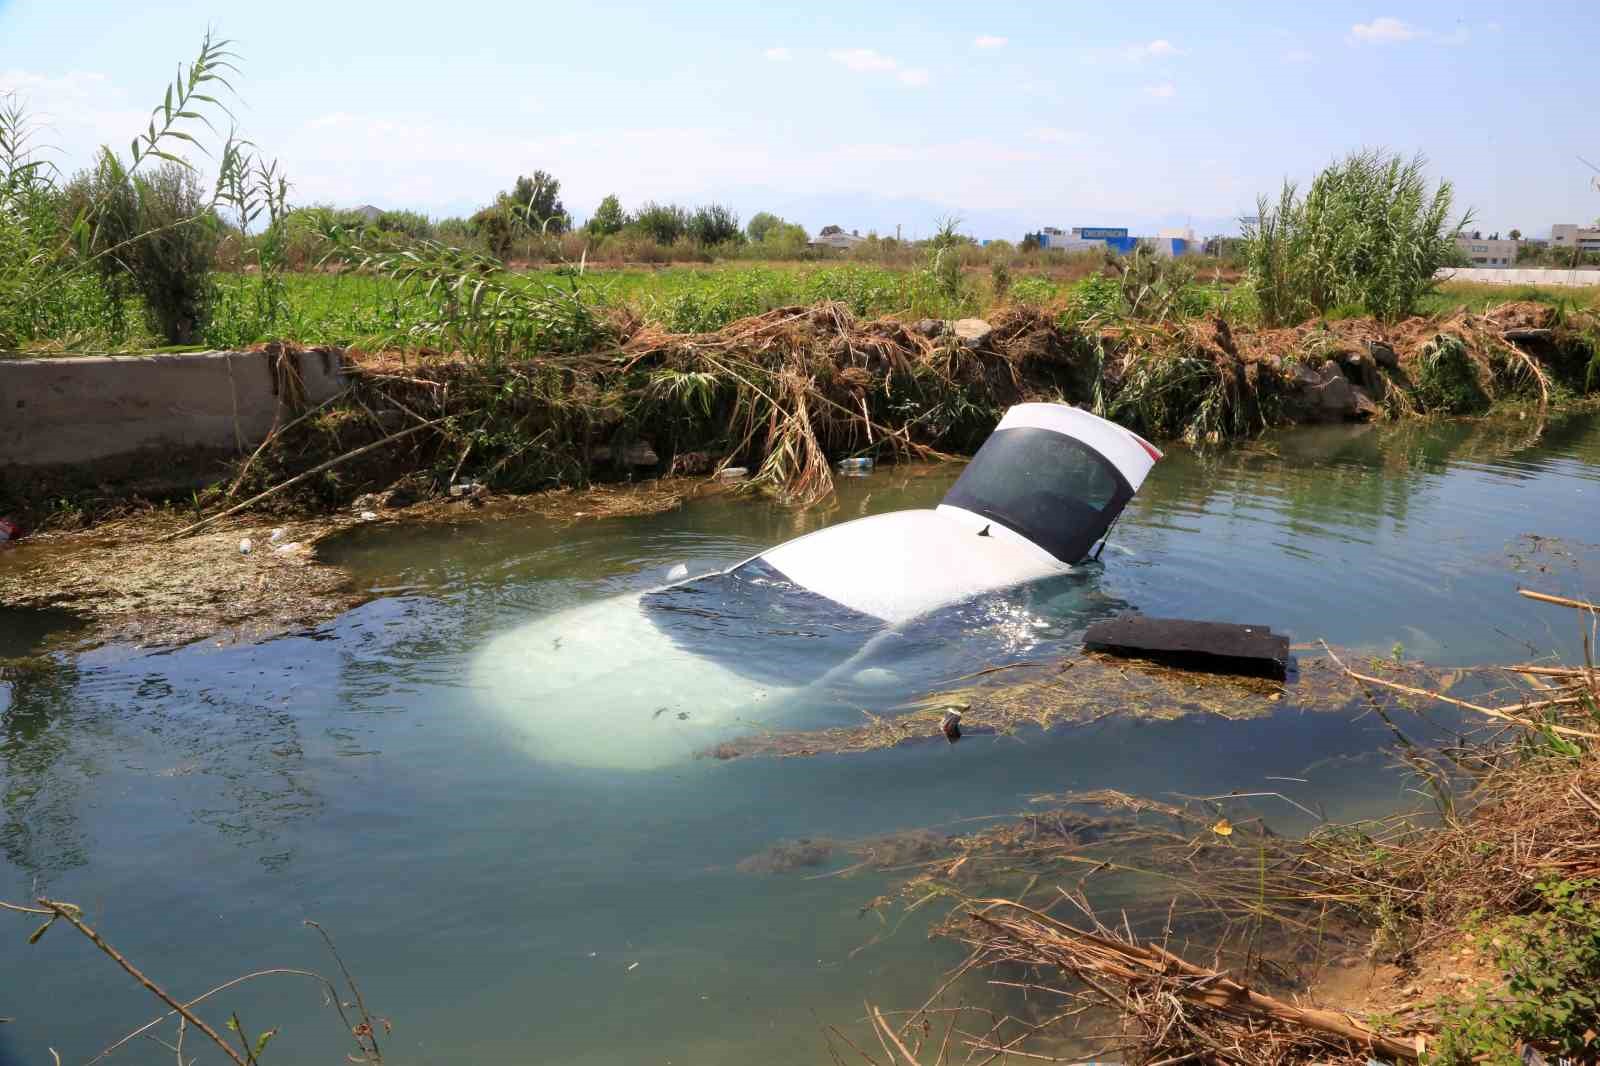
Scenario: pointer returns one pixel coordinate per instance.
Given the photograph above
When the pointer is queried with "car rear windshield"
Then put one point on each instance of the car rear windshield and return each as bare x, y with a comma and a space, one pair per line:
1056, 491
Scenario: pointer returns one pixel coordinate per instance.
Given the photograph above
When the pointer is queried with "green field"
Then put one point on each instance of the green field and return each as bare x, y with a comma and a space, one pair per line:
369, 311
377, 312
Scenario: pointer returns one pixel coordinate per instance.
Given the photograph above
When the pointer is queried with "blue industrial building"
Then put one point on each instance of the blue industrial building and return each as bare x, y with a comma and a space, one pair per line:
1114, 238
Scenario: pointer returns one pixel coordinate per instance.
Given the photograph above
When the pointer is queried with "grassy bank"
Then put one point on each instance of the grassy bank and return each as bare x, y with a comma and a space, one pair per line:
624, 386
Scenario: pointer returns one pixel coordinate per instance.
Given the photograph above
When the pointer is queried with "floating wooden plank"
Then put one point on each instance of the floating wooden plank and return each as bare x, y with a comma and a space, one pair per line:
1216, 647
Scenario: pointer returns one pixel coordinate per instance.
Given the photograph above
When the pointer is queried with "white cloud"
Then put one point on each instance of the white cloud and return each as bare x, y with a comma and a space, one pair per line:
778, 55
1385, 30
1053, 135
872, 61
1160, 48
988, 41
72, 114
1163, 91
333, 118
863, 60
1297, 56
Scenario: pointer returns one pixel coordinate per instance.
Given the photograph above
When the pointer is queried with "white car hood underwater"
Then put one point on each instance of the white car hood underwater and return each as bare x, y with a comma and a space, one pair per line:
645, 680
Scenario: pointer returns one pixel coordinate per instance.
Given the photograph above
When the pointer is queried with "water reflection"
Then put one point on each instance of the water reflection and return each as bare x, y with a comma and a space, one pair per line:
42, 768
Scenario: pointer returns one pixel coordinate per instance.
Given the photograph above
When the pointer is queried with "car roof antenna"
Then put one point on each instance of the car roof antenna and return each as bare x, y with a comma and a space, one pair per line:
984, 532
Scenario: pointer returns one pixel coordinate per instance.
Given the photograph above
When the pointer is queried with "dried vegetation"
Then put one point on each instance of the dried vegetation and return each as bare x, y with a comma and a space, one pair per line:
1477, 925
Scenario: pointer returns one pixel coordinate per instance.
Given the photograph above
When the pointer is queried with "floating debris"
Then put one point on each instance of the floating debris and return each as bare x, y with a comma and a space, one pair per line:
950, 725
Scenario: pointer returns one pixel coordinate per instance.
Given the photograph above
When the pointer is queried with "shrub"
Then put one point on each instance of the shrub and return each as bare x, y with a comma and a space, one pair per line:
1447, 379
714, 224
495, 227
155, 234
607, 218
662, 223
1000, 278
1367, 233
1551, 963
1034, 291
534, 203
412, 224
761, 223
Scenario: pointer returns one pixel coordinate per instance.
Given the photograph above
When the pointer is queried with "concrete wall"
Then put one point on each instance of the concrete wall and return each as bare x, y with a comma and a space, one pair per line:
79, 409
1518, 276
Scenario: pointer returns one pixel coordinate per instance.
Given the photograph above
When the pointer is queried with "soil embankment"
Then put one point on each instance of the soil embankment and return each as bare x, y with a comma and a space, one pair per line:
422, 436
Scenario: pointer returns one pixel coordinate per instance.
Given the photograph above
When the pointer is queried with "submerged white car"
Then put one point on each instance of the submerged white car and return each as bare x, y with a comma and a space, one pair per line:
818, 623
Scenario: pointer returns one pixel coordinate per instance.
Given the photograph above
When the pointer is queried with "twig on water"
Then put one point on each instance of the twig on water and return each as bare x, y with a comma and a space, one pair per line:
68, 913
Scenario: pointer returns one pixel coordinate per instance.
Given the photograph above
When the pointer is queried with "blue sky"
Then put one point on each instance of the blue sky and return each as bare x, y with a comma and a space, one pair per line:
1011, 115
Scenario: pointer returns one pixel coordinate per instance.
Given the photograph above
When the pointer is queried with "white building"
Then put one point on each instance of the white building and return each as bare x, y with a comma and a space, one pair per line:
841, 240
1488, 252
1583, 238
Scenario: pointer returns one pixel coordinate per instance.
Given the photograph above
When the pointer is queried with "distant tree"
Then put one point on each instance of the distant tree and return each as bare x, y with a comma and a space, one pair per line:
760, 224
714, 224
411, 223
535, 203
830, 231
662, 223
1030, 242
786, 239
607, 218
1516, 235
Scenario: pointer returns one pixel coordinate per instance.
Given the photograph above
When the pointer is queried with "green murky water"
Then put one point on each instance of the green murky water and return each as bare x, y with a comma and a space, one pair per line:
499, 906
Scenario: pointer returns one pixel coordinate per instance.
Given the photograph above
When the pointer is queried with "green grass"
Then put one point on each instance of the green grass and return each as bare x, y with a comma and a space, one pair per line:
372, 311
1478, 297
351, 309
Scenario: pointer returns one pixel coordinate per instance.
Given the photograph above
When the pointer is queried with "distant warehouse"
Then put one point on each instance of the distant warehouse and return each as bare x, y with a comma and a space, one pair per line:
1488, 251
1583, 238
1116, 239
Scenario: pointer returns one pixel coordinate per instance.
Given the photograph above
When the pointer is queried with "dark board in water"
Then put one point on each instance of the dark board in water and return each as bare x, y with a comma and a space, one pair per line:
1221, 647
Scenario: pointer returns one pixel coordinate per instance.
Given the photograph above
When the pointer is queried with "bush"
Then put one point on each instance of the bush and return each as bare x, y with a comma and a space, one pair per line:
154, 234
714, 224
410, 223
172, 257
662, 223
763, 222
608, 218
1551, 963
1368, 233
495, 227
1033, 291
1000, 278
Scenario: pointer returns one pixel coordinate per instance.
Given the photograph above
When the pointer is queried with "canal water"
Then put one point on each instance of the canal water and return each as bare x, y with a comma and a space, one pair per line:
505, 895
